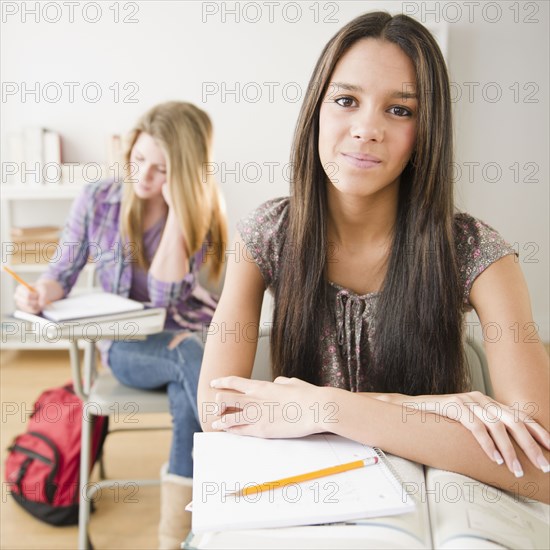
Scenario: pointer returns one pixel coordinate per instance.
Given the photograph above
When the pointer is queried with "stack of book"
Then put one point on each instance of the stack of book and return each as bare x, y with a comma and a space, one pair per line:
395, 503
34, 245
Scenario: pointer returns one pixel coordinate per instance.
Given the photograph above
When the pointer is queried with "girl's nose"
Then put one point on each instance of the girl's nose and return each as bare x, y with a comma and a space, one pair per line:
367, 125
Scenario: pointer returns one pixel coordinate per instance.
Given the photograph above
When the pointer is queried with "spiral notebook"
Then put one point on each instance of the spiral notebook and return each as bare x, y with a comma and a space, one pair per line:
226, 462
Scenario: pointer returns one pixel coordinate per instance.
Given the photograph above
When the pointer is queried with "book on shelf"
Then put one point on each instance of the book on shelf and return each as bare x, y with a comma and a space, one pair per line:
51, 157
34, 156
15, 157
31, 171
450, 511
34, 245
35, 231
114, 149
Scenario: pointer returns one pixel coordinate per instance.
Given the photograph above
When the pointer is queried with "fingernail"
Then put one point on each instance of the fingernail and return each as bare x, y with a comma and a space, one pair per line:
498, 458
518, 471
216, 425
543, 463
213, 383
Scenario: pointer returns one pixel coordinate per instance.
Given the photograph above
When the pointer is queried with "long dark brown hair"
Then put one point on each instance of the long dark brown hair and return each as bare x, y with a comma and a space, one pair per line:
418, 324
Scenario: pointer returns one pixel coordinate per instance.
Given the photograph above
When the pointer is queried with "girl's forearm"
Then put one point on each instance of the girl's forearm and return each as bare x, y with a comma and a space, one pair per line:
171, 261
426, 438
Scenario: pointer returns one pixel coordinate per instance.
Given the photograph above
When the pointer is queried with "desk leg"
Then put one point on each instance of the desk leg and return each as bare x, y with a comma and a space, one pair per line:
85, 453
89, 366
84, 508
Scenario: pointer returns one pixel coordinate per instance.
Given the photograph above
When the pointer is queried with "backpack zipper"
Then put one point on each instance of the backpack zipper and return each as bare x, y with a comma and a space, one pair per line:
31, 453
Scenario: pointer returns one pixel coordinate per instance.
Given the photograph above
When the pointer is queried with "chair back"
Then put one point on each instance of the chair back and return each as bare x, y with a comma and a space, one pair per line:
262, 361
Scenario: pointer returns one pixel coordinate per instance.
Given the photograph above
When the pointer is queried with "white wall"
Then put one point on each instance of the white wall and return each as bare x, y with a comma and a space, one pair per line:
179, 50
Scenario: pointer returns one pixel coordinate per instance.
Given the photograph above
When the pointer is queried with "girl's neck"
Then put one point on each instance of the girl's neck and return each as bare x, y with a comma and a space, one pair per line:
361, 221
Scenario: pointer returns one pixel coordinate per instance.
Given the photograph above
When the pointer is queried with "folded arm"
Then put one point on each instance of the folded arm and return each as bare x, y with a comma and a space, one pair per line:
293, 408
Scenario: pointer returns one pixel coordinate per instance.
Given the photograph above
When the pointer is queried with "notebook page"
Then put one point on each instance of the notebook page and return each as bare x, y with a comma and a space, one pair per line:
226, 462
89, 305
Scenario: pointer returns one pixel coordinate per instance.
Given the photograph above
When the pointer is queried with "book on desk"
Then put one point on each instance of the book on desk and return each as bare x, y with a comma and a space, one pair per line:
431, 509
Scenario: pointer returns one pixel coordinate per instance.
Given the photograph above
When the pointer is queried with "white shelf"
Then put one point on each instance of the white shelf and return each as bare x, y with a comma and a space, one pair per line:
11, 194
39, 192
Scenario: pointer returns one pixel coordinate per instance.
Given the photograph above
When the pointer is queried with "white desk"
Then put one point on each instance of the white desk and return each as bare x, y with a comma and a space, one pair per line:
102, 390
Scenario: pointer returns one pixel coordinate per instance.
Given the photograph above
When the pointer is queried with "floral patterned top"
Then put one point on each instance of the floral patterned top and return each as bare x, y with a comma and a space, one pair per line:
347, 337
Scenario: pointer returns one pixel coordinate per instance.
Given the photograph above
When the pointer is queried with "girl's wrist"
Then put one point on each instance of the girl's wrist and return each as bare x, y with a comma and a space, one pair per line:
172, 230
172, 220
325, 410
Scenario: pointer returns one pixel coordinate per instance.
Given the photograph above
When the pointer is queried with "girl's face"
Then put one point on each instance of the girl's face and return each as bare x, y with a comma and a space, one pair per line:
367, 121
150, 161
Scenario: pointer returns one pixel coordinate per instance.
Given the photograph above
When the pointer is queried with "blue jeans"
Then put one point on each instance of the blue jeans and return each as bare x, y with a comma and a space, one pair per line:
149, 364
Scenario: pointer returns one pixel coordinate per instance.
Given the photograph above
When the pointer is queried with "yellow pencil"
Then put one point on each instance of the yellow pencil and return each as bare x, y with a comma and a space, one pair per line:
270, 485
19, 279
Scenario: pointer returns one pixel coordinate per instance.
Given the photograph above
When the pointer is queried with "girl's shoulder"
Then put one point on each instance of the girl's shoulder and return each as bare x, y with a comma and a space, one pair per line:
478, 245
109, 190
96, 199
263, 231
99, 194
269, 214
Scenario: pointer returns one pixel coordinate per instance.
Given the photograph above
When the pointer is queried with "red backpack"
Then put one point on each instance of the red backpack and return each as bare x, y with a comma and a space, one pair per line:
43, 464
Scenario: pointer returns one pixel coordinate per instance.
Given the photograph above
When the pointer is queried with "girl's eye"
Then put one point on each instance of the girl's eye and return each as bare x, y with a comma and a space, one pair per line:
138, 158
161, 170
345, 101
400, 111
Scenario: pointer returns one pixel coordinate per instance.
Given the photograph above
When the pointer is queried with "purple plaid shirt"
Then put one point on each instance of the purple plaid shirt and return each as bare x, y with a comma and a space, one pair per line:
92, 232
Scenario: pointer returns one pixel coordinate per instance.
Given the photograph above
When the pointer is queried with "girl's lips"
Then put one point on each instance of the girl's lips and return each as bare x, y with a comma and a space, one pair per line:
361, 161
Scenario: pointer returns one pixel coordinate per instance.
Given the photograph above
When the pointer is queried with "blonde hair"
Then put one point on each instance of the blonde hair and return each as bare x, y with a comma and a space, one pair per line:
184, 133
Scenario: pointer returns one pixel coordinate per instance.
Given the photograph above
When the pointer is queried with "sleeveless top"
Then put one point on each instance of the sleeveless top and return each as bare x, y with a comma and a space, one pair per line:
348, 334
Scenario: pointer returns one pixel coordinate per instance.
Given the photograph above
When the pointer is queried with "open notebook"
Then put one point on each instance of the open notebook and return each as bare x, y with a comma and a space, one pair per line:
227, 462
89, 305
452, 512
96, 306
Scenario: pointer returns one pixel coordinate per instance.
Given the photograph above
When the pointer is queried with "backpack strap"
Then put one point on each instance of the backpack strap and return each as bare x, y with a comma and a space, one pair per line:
50, 485
22, 471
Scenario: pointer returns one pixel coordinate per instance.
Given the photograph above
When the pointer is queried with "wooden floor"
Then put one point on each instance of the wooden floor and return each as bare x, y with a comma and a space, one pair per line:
123, 519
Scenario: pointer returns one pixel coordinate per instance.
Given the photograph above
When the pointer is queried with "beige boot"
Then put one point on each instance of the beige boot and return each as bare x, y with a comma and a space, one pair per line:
175, 522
